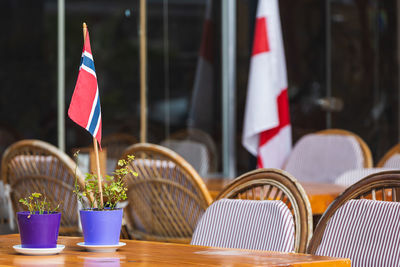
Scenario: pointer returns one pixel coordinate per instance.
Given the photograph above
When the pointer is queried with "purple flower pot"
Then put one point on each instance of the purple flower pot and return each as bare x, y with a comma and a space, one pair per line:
101, 227
39, 230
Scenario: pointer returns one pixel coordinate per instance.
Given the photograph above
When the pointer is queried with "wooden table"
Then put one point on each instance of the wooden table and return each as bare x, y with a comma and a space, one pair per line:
158, 254
320, 195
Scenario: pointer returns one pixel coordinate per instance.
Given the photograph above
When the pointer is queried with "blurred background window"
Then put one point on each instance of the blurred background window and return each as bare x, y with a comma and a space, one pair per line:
342, 63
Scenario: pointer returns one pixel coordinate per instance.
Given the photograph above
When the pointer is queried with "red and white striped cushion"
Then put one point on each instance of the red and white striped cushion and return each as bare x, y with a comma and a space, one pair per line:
193, 152
322, 157
366, 231
393, 162
351, 177
246, 224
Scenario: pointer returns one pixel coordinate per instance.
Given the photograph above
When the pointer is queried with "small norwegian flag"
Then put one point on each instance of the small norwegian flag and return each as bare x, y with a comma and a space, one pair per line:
267, 131
84, 108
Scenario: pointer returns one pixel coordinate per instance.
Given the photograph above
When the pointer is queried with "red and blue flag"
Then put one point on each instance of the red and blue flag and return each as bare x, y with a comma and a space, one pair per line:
84, 108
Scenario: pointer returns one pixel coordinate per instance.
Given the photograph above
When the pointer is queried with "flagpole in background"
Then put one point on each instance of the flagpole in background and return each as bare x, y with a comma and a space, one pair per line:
143, 74
96, 150
228, 87
61, 75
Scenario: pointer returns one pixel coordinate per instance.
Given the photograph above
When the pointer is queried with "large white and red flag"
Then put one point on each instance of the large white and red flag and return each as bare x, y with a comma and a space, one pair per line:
267, 131
84, 108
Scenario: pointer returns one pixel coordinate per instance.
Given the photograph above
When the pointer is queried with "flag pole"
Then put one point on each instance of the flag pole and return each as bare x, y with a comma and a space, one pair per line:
96, 150
143, 75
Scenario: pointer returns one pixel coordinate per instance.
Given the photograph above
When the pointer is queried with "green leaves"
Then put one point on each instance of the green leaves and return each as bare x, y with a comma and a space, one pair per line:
36, 202
114, 187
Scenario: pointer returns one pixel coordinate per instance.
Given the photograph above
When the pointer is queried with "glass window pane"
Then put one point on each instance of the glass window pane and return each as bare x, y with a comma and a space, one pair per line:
28, 71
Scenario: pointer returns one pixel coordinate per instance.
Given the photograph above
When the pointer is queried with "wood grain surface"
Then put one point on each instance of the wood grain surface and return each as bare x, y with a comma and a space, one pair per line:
158, 254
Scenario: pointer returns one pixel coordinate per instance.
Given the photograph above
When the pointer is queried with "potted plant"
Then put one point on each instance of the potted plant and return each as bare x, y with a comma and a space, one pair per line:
38, 227
101, 222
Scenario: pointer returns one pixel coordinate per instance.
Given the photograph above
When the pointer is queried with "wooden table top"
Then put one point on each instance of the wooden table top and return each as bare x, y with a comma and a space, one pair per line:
320, 195
158, 254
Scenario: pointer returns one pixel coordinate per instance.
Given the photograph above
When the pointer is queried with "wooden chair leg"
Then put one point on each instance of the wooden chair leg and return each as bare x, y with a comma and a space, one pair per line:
125, 232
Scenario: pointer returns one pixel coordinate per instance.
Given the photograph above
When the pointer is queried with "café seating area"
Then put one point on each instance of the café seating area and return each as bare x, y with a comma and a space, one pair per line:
264, 209
200, 133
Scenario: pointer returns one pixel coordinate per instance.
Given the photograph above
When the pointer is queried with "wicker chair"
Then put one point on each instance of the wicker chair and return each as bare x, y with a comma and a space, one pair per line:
363, 223
274, 184
167, 198
391, 159
36, 166
366, 151
199, 137
325, 155
246, 224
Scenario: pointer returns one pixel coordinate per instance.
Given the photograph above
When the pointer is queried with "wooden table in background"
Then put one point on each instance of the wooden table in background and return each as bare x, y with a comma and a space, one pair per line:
158, 254
320, 195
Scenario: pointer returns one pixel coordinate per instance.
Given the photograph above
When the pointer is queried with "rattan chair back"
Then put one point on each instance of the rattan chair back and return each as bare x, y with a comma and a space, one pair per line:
383, 186
35, 166
167, 198
366, 152
394, 151
199, 136
274, 184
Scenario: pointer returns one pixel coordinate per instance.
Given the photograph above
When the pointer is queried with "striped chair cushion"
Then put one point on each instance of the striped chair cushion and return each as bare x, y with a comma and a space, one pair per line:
322, 158
351, 177
393, 162
366, 231
246, 224
193, 152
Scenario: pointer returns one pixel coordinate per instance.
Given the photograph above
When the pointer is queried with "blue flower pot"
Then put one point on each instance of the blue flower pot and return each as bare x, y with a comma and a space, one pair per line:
101, 227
